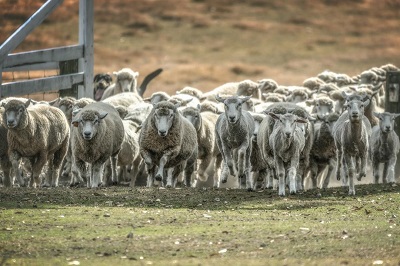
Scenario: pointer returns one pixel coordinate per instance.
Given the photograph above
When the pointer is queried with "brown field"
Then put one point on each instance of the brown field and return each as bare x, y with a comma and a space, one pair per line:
205, 43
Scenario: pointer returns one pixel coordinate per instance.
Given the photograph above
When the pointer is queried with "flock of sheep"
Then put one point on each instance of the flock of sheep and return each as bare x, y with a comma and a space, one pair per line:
257, 134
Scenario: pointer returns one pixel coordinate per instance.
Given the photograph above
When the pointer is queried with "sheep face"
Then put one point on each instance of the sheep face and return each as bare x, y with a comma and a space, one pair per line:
288, 122
193, 115
88, 123
386, 121
233, 107
355, 109
14, 115
164, 118
322, 107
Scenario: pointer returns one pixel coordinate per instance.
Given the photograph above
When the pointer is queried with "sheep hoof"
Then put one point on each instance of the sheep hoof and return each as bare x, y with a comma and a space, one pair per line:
250, 189
158, 177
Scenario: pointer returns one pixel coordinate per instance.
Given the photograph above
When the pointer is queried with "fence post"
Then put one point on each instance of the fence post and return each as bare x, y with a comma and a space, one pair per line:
86, 39
69, 67
392, 105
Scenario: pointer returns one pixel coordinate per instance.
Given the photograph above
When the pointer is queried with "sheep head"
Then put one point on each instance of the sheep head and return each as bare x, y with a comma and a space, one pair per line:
88, 122
386, 121
233, 107
15, 114
288, 122
164, 116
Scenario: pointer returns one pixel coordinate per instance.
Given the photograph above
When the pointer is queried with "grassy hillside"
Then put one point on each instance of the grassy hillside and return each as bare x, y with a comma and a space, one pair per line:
205, 43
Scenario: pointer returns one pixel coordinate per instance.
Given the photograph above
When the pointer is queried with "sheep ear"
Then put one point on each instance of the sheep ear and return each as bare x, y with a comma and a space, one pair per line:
176, 106
301, 120
245, 99
395, 115
376, 114
219, 99
366, 102
53, 102
273, 115
75, 121
102, 115
310, 102
135, 74
115, 73
76, 111
27, 103
344, 95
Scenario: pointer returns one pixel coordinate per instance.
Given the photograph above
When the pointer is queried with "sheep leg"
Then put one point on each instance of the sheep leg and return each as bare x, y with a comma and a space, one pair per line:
161, 165
390, 169
224, 173
280, 169
292, 180
97, 173
217, 170
114, 169
348, 162
37, 168
247, 165
339, 157
203, 167
363, 166
6, 167
375, 171
79, 170
170, 179
228, 161
15, 159
331, 167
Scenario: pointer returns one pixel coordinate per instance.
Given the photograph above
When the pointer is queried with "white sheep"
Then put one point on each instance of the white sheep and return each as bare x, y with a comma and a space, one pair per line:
242, 88
384, 147
234, 130
96, 137
39, 133
125, 81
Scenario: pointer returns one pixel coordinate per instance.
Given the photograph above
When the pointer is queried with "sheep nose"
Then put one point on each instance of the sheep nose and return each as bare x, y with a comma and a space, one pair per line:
288, 134
387, 128
10, 121
232, 118
162, 133
87, 133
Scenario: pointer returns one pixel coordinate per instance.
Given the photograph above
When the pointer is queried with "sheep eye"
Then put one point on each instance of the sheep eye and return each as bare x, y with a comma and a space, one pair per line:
20, 110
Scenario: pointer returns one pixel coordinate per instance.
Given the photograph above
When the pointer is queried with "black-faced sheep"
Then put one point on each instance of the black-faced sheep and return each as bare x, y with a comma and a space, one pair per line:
168, 141
39, 133
234, 130
209, 154
96, 137
384, 147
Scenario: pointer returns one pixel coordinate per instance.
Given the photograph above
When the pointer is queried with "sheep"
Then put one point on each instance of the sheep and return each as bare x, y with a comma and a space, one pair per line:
167, 140
323, 150
287, 141
258, 168
96, 137
265, 131
126, 81
101, 82
242, 88
123, 99
157, 97
351, 134
41, 134
313, 83
321, 106
384, 147
298, 95
208, 152
211, 106
191, 91
267, 85
5, 162
234, 130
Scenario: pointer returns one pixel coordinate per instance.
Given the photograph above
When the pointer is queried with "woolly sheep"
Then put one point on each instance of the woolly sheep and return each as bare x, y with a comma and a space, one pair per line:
234, 130
298, 95
313, 83
96, 137
384, 147
191, 91
125, 81
157, 97
321, 106
167, 140
204, 123
242, 88
211, 106
39, 133
287, 141
265, 131
351, 134
123, 99
267, 85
